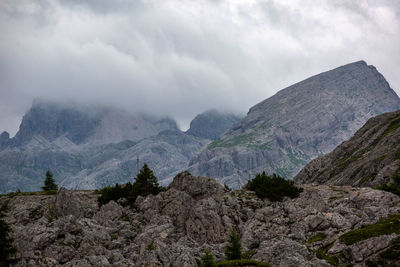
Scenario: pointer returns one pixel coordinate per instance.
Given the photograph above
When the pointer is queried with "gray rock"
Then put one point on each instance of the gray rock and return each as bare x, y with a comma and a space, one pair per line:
369, 158
211, 124
299, 123
91, 147
174, 227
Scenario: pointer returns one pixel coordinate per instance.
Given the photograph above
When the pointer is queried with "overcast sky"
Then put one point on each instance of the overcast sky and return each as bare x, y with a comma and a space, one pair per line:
179, 58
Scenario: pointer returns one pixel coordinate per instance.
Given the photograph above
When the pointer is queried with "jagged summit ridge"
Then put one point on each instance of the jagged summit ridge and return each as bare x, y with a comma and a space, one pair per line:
284, 132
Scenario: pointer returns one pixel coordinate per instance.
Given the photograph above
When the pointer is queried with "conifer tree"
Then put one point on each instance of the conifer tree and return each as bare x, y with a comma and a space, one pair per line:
146, 182
49, 183
207, 259
7, 250
233, 250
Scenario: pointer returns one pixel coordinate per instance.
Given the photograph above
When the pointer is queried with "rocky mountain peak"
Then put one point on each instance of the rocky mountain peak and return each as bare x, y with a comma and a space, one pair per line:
212, 124
284, 132
4, 136
51, 120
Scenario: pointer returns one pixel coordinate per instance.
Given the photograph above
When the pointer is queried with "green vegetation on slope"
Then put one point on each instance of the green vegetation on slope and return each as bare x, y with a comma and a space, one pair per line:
316, 238
384, 226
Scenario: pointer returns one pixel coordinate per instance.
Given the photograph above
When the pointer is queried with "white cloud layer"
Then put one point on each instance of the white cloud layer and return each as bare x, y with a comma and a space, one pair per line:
178, 57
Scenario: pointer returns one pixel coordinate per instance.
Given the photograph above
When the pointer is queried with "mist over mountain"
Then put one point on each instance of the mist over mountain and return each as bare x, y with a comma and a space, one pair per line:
211, 124
88, 147
284, 132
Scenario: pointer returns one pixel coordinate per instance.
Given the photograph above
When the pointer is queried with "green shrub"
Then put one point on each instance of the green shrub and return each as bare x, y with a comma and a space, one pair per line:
150, 246
273, 187
145, 184
207, 259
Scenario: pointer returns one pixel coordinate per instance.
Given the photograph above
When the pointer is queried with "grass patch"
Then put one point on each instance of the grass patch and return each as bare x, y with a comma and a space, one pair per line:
242, 263
316, 238
321, 254
332, 198
384, 226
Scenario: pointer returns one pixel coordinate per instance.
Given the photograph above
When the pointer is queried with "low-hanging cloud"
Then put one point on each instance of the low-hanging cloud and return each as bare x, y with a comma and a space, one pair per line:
179, 58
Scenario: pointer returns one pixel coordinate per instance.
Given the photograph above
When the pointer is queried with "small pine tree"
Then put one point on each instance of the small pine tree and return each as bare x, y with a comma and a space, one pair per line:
7, 250
207, 259
233, 250
146, 182
49, 183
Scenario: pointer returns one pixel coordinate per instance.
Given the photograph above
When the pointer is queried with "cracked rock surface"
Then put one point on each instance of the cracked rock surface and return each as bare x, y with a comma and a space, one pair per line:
174, 227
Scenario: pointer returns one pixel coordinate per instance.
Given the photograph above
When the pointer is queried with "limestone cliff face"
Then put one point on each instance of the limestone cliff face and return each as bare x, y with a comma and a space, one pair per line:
174, 227
371, 157
301, 122
90, 147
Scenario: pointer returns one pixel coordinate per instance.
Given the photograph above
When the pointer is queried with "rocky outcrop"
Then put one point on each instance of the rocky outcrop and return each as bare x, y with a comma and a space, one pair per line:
174, 227
370, 158
212, 124
301, 122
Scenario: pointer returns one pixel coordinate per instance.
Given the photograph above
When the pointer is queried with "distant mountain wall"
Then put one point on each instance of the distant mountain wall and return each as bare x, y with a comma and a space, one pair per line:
90, 147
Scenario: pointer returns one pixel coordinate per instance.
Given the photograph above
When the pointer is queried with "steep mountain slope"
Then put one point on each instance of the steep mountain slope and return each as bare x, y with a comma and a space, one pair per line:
90, 147
371, 157
212, 124
305, 120
174, 227
167, 153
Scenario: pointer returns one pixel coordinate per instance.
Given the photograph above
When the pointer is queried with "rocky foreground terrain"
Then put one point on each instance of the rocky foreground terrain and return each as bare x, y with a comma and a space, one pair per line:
299, 123
174, 227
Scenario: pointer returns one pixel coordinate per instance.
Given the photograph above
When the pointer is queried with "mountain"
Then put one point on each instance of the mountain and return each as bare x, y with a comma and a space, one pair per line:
303, 121
370, 158
322, 227
89, 147
212, 124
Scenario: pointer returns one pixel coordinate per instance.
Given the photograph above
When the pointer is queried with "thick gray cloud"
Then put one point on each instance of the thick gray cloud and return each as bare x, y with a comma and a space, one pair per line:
179, 58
